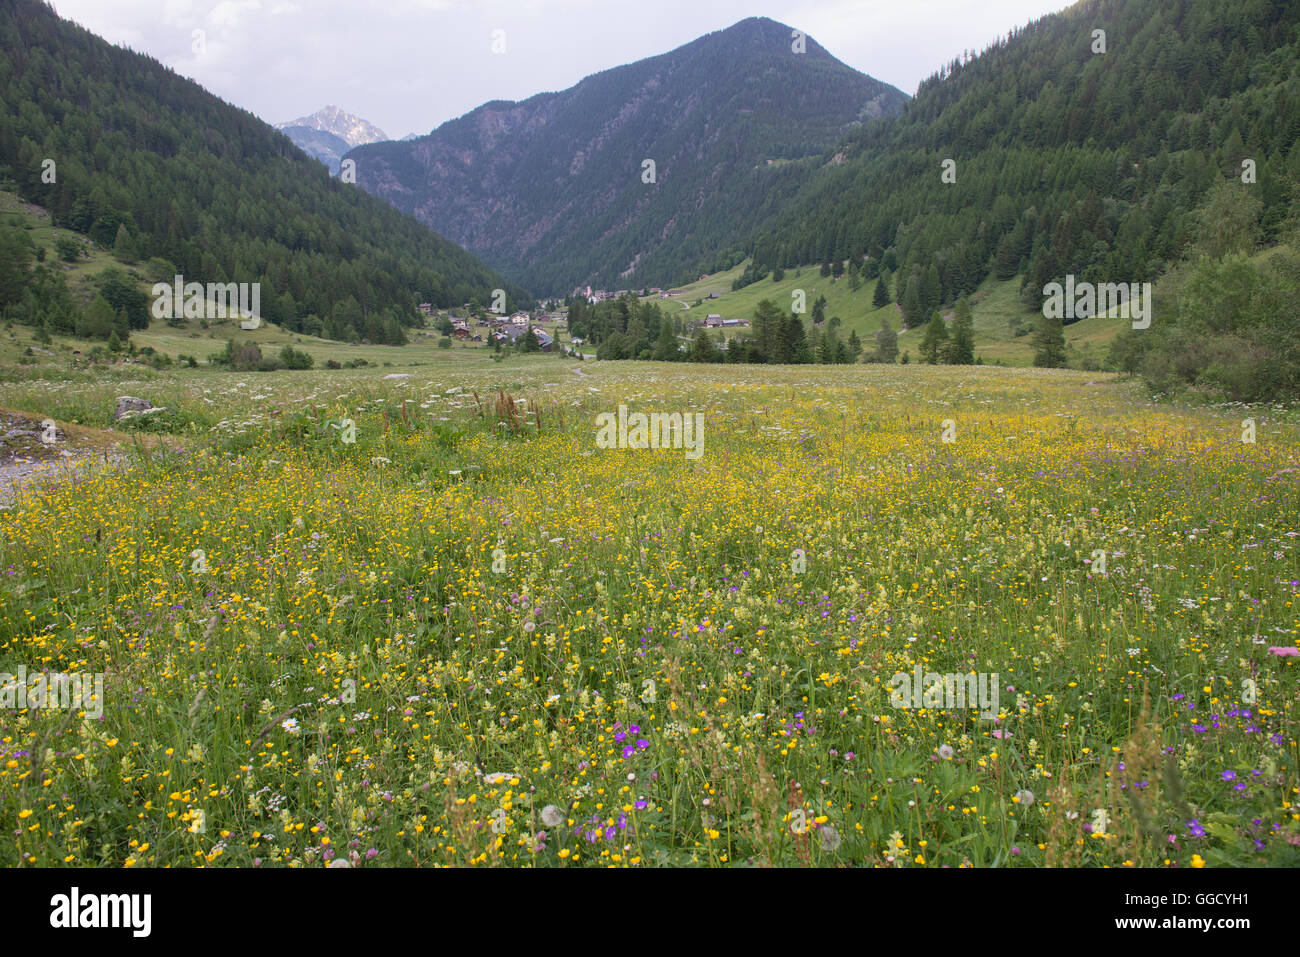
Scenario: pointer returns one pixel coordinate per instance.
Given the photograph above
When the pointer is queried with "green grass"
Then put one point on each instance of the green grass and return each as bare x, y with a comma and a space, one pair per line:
473, 625
994, 306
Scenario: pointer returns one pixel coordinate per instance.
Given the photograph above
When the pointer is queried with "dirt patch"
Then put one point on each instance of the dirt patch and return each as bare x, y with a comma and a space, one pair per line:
33, 449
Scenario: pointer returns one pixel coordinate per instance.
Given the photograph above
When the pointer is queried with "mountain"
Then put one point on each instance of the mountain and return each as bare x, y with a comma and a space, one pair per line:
552, 190
352, 129
1163, 152
151, 162
329, 133
326, 147
1066, 160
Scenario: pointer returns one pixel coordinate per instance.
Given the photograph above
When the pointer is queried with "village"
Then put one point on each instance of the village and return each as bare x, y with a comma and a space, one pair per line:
477, 326
470, 324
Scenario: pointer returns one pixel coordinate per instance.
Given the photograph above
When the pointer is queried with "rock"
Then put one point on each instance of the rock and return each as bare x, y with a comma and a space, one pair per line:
398, 375
130, 405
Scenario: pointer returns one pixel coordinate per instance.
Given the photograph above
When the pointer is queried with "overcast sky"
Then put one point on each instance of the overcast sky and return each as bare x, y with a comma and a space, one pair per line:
409, 65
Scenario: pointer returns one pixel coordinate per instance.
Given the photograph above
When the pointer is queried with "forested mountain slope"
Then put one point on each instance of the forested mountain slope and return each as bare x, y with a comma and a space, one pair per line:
552, 189
210, 188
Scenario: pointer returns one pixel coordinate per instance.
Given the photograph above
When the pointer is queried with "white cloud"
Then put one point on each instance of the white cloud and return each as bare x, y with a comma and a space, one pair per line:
228, 13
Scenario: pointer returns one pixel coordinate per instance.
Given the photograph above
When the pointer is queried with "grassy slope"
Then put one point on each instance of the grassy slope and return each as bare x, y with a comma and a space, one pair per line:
994, 305
190, 338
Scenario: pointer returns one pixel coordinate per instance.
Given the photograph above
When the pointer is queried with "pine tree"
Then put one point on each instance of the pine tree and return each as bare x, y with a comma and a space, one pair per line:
933, 342
931, 290
828, 347
666, 345
123, 246
1049, 344
792, 343
97, 322
767, 326
881, 296
961, 348
911, 301
703, 350
1006, 260
886, 342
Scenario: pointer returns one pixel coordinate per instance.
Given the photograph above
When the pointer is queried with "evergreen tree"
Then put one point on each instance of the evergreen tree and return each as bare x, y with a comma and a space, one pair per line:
792, 343
802, 351
1049, 344
881, 296
961, 347
16, 254
1006, 261
666, 345
911, 300
886, 342
124, 293
931, 290
703, 350
767, 325
123, 245
934, 340
97, 322
829, 347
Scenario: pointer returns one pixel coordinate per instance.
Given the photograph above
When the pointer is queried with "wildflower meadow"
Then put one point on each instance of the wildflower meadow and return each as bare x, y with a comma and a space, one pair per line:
906, 617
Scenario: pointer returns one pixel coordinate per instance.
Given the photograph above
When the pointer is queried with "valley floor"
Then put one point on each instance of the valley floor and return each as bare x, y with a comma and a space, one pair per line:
429, 620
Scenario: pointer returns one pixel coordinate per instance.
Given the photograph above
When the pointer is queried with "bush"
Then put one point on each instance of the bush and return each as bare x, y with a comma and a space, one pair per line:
69, 249
1227, 328
292, 358
244, 358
